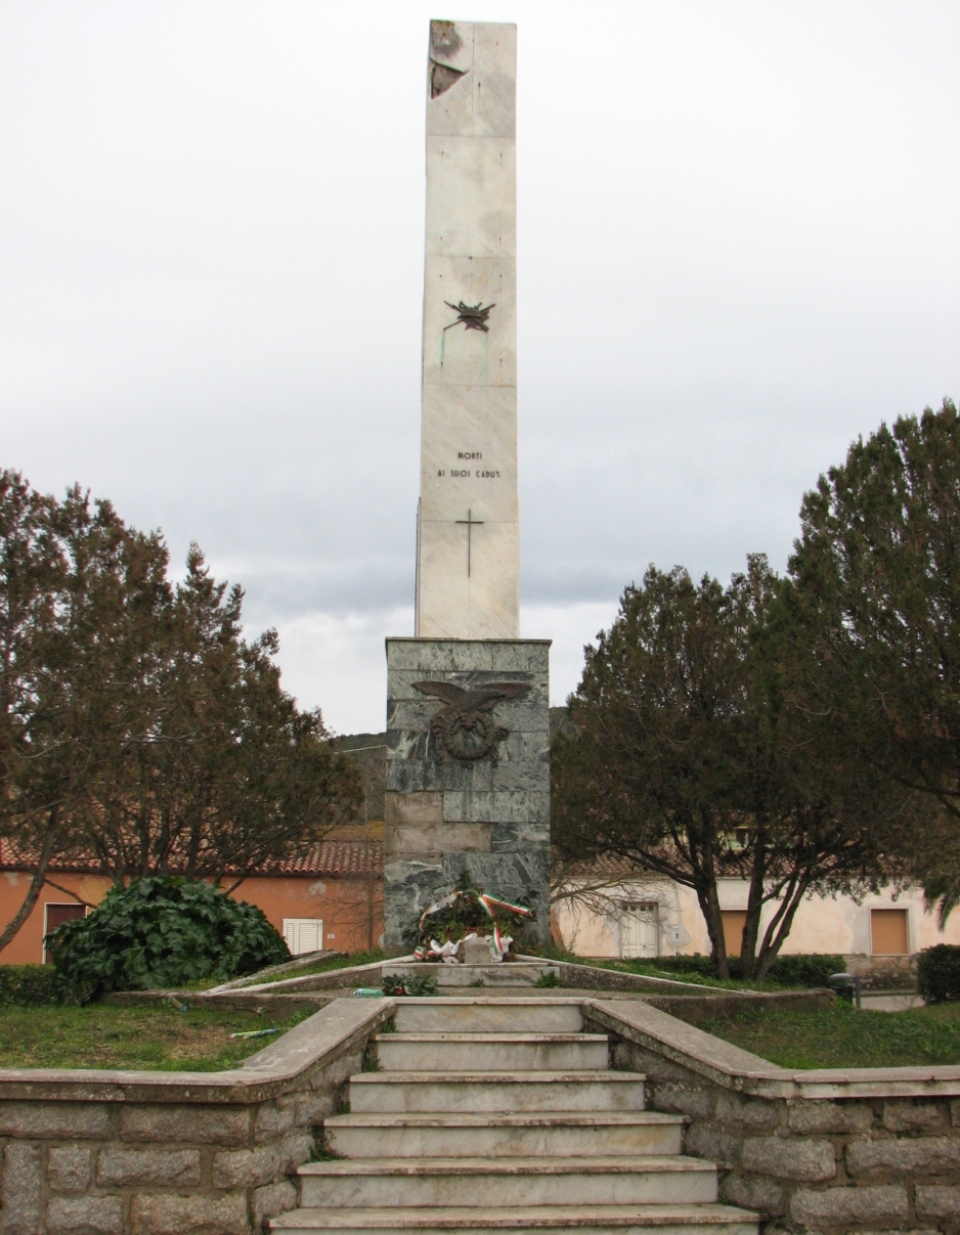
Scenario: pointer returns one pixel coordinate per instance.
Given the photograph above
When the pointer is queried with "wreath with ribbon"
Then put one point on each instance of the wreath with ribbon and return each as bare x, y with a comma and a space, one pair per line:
471, 911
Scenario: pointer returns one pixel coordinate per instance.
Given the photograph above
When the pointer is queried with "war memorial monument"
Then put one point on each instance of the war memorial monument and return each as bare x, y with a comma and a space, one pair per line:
468, 774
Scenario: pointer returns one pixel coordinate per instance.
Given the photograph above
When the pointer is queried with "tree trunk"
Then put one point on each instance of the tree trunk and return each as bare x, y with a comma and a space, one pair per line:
710, 908
755, 903
779, 927
36, 883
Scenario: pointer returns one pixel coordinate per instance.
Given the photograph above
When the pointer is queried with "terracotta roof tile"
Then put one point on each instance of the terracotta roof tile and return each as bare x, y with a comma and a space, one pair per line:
330, 859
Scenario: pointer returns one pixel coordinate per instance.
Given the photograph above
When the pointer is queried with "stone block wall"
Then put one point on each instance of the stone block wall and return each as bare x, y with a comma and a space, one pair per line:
172, 1153
836, 1151
445, 815
884, 972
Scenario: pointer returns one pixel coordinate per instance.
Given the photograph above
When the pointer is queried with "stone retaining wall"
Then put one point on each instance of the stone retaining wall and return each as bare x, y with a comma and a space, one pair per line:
261, 1001
839, 1151
153, 1153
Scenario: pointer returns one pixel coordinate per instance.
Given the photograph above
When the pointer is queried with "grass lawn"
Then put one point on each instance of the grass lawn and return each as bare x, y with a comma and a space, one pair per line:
104, 1036
840, 1037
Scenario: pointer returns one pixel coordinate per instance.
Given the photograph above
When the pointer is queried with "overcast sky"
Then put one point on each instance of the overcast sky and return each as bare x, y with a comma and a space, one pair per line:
738, 249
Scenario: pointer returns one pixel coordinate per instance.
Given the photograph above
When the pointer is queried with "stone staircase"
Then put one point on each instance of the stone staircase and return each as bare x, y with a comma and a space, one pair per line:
503, 1115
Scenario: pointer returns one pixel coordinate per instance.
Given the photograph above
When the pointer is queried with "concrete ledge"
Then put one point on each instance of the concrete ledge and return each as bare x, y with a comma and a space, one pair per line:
729, 1066
721, 1003
590, 977
298, 962
355, 975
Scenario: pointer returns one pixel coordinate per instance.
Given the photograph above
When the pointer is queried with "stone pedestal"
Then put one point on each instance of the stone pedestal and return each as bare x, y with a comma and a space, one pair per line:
475, 952
465, 977
468, 775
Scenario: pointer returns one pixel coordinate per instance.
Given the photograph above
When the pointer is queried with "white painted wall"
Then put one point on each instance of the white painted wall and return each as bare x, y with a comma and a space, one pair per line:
823, 924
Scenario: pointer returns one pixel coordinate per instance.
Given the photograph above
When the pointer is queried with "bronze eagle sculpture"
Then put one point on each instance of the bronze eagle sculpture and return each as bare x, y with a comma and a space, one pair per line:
465, 728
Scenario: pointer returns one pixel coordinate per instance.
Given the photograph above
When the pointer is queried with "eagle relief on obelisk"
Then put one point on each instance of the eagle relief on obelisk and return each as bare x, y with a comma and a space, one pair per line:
467, 790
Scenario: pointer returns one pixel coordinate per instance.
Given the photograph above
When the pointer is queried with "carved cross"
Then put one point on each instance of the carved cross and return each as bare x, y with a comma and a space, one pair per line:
470, 523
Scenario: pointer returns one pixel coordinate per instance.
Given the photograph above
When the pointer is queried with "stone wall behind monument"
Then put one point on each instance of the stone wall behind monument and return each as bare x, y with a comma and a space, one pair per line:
445, 815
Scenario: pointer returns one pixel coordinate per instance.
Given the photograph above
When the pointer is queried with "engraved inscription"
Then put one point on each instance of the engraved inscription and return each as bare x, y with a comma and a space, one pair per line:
465, 473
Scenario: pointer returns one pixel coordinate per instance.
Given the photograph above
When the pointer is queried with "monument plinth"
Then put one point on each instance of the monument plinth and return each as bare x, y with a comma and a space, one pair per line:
468, 778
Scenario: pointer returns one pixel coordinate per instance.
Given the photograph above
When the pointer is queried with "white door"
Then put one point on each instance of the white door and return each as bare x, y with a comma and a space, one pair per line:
303, 935
640, 930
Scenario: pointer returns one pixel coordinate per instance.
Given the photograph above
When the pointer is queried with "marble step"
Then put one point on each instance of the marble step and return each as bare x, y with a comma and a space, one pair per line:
493, 1052
561, 1134
652, 1180
512, 1014
516, 973
494, 1092
545, 1219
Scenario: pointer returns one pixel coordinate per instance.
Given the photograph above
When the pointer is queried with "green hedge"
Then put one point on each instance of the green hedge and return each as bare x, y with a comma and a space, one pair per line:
806, 970
701, 965
29, 984
938, 973
811, 970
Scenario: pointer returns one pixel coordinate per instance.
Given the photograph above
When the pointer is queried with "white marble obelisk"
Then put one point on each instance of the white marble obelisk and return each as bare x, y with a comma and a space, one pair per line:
467, 791
467, 525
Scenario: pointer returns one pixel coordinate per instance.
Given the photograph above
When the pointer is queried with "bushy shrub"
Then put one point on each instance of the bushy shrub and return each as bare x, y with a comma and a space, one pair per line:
805, 970
938, 973
417, 985
680, 965
160, 932
29, 984
802, 970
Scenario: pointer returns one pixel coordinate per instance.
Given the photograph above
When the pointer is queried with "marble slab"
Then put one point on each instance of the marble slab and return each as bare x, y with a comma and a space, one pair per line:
469, 413
481, 604
469, 458
446, 816
480, 94
454, 355
471, 197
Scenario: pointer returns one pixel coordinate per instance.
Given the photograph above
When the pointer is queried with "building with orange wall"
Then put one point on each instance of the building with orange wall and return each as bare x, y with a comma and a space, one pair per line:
331, 896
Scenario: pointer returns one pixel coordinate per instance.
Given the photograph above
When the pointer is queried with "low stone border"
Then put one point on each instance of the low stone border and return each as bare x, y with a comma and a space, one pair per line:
168, 1153
582, 977
721, 1003
834, 1150
333, 979
665, 992
304, 961
593, 977
263, 1000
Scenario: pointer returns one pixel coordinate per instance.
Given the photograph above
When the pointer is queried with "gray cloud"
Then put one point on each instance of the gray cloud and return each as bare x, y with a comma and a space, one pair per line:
738, 251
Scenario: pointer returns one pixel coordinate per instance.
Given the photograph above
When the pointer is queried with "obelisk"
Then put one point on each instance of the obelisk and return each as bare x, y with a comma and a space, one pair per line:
467, 528
468, 775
